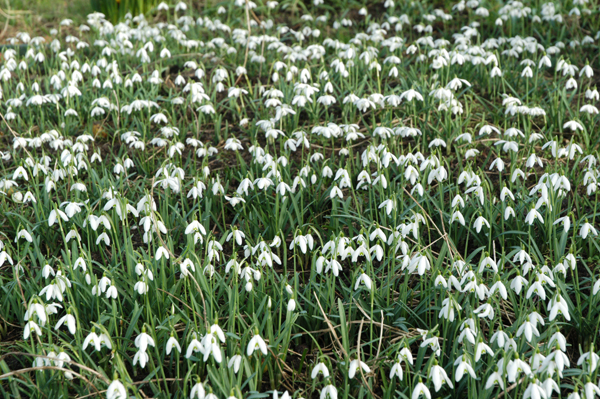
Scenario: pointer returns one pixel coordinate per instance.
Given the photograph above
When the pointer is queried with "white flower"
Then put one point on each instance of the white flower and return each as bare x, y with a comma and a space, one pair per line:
235, 362
493, 379
501, 337
172, 343
116, 390
329, 392
558, 305
449, 305
420, 390
37, 309
591, 360
160, 252
405, 354
291, 305
591, 390
479, 222
485, 310
439, 377
535, 391
93, 339
389, 205
336, 192
320, 368
211, 346
396, 371
143, 340
532, 215
529, 329
194, 346
517, 284
585, 230
54, 214
71, 323
141, 357
30, 327
482, 348
363, 278
463, 365
354, 366
256, 343
573, 125
515, 368
198, 391
565, 221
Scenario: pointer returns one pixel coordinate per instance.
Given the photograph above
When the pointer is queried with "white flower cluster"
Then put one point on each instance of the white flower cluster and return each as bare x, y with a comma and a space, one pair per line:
383, 202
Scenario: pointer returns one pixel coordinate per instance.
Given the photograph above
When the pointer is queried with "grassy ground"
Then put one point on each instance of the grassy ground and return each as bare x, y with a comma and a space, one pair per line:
412, 278
38, 16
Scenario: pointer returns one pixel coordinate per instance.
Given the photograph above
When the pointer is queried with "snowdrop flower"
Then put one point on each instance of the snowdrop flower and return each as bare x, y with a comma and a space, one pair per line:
528, 328
305, 242
534, 390
463, 364
494, 379
448, 307
485, 310
565, 221
366, 280
457, 216
235, 362
573, 125
481, 349
411, 94
500, 337
479, 223
143, 340
238, 236
141, 357
161, 252
211, 346
193, 347
55, 214
197, 391
591, 360
537, 288
439, 377
70, 321
558, 305
420, 390
116, 390
93, 339
517, 284
172, 343
586, 229
291, 305
329, 392
319, 368
389, 205
532, 215
591, 390
496, 72
396, 370
405, 355
355, 365
256, 343
516, 367
30, 327
24, 234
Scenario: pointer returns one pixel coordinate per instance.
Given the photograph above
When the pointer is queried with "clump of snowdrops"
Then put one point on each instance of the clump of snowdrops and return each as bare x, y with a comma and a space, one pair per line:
323, 199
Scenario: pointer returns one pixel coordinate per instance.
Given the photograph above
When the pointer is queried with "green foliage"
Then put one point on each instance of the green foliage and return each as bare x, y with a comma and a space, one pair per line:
225, 201
115, 10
